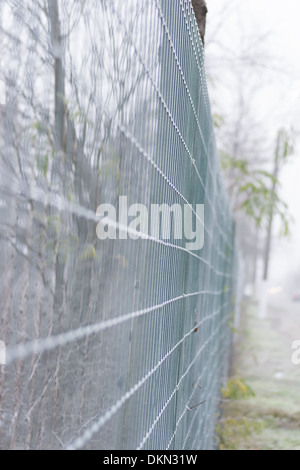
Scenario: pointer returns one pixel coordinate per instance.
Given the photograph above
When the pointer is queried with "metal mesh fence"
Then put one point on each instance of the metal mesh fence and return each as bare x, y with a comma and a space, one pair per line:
120, 343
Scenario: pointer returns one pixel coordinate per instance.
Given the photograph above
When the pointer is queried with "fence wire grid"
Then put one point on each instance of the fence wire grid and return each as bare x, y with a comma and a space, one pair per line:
110, 344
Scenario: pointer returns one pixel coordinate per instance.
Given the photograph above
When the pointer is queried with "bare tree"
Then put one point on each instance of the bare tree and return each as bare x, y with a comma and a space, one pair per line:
59, 140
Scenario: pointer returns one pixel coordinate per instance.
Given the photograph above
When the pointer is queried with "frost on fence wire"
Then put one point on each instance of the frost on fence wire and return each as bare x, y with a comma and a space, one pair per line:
108, 344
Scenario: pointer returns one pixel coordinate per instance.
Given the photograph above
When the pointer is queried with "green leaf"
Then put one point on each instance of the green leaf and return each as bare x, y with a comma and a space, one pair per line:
89, 253
43, 164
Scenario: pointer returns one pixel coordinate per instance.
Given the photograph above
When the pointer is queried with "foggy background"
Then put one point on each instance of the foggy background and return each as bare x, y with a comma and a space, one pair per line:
255, 45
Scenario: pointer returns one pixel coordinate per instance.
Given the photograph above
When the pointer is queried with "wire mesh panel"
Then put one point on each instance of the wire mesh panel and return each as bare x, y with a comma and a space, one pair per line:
115, 326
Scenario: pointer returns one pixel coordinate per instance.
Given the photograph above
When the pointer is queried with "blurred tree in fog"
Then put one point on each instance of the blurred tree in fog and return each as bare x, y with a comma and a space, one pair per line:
284, 148
238, 76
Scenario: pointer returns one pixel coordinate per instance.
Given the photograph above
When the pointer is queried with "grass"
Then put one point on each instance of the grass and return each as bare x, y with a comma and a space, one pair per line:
269, 418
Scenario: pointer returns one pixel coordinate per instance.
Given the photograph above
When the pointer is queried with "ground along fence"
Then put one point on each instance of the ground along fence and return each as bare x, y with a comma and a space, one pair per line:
116, 337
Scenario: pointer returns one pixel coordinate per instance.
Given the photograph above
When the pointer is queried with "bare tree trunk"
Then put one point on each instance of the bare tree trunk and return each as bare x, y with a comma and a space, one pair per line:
200, 10
58, 53
270, 226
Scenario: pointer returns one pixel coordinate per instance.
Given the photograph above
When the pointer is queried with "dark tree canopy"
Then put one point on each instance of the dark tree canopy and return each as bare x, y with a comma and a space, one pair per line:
200, 10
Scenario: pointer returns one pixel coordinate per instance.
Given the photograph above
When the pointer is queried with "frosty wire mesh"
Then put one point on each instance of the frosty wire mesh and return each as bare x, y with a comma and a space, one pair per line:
109, 344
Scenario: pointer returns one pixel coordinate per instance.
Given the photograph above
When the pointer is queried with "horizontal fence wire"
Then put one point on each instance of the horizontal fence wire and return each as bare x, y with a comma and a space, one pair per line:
120, 340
